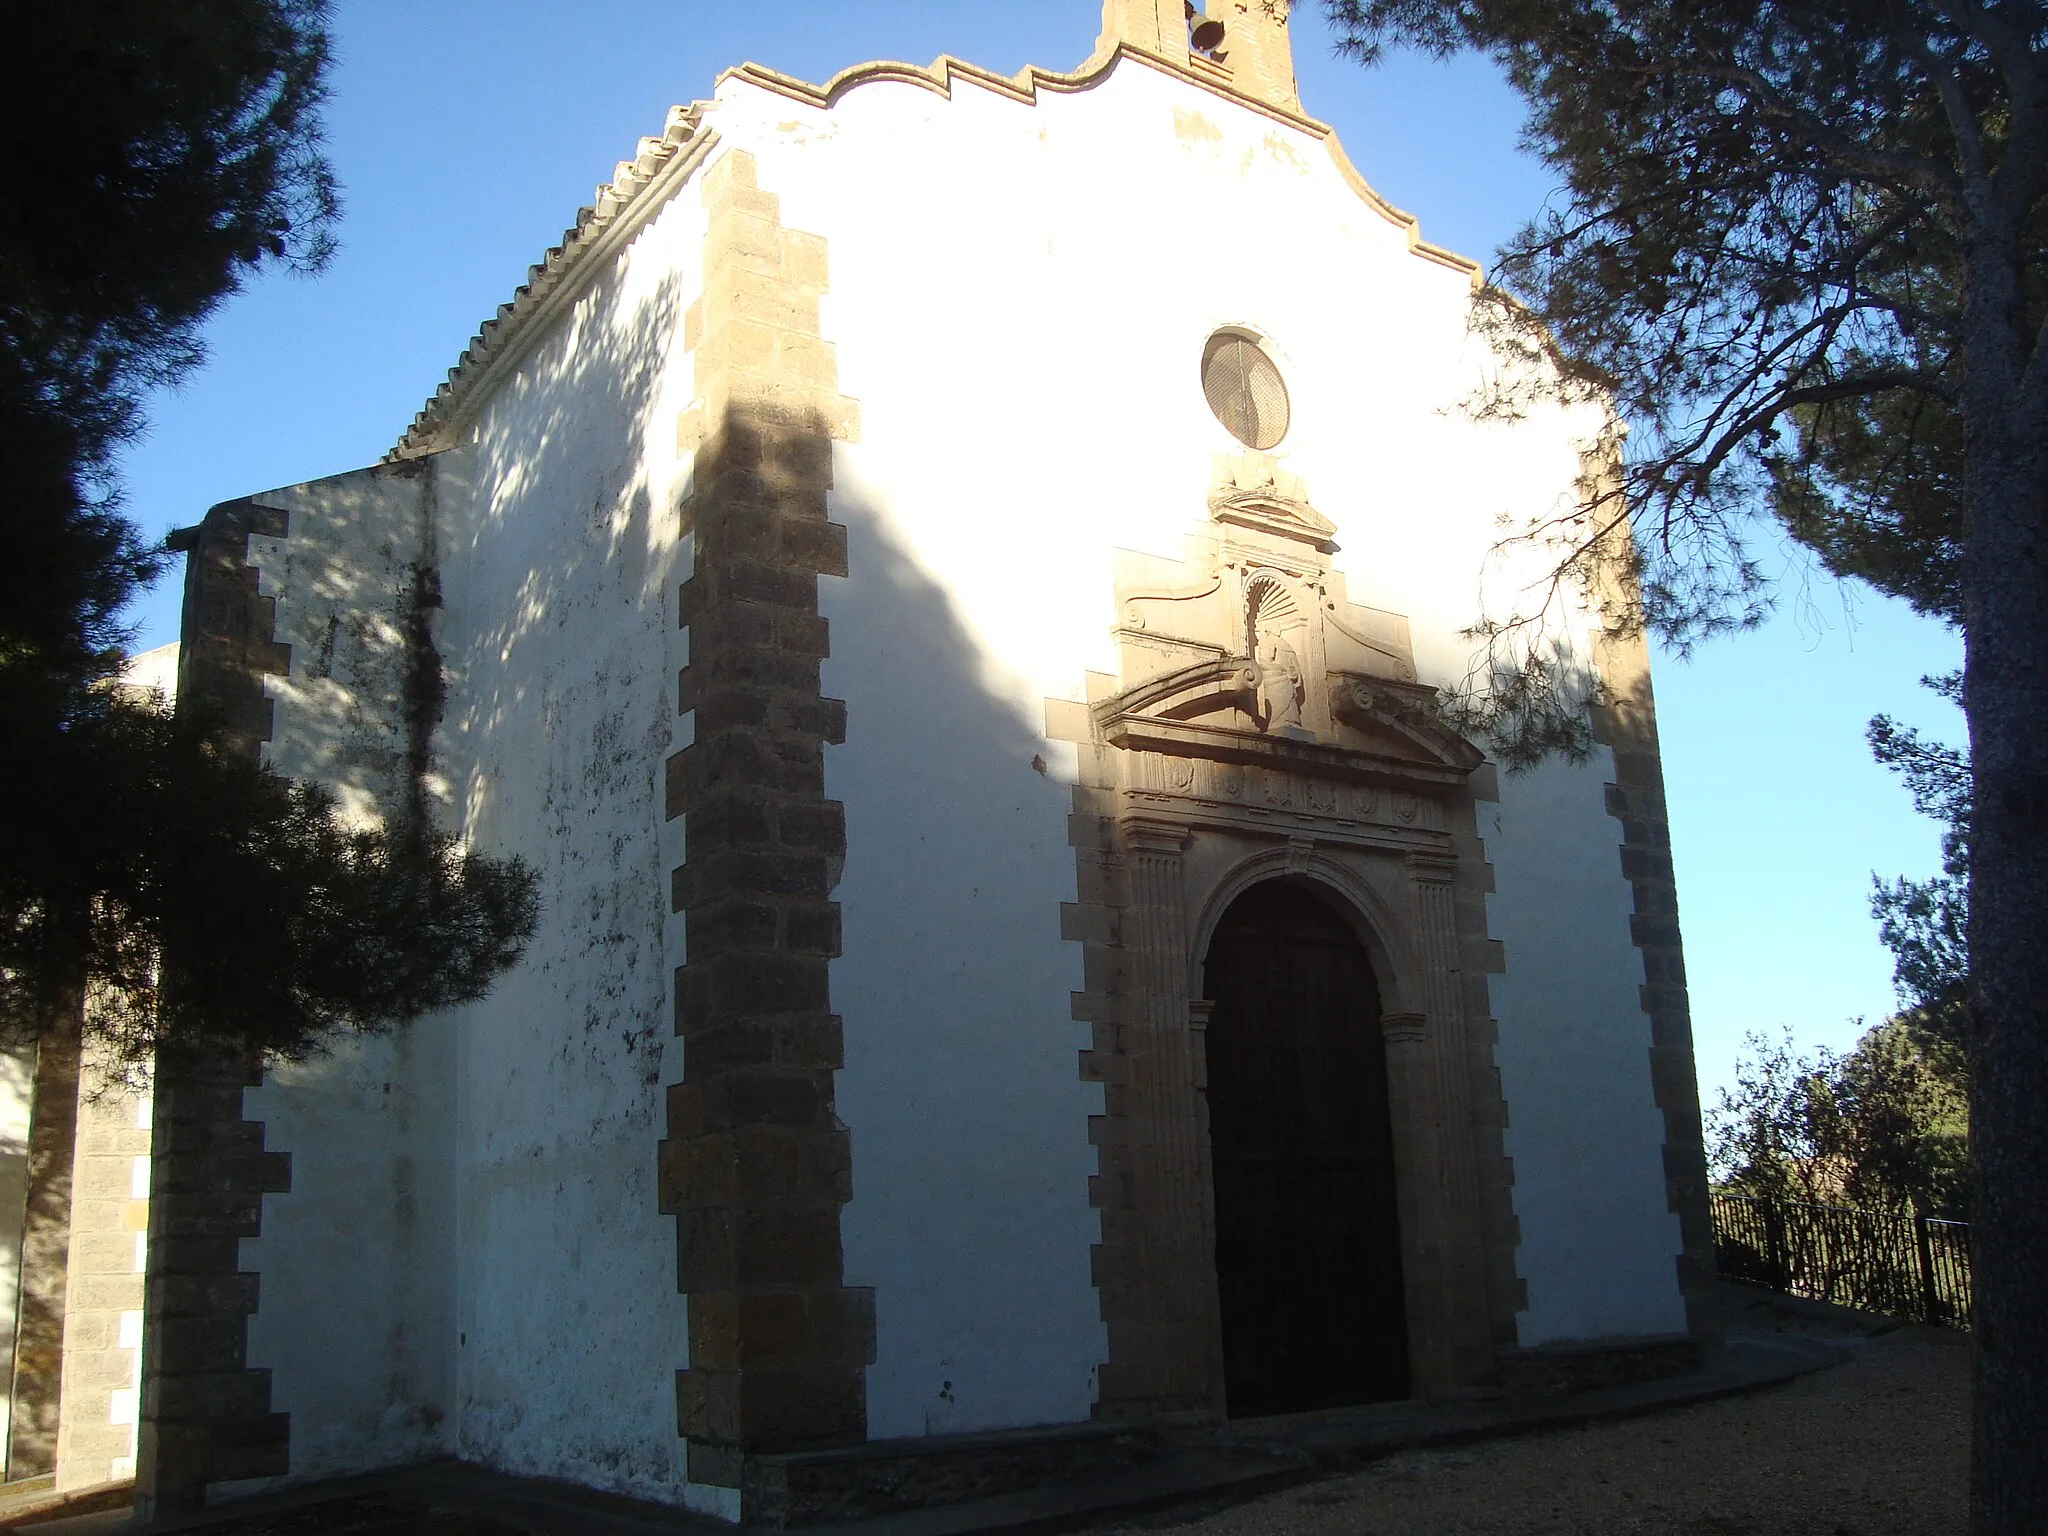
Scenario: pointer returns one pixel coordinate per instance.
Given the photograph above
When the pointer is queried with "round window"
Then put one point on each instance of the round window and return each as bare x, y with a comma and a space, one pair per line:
1244, 389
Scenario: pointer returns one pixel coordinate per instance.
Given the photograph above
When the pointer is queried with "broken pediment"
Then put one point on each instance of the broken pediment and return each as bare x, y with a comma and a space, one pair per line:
1262, 512
1249, 650
1402, 720
1388, 733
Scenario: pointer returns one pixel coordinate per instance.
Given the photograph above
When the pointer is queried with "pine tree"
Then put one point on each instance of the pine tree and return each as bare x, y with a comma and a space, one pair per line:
1802, 252
154, 155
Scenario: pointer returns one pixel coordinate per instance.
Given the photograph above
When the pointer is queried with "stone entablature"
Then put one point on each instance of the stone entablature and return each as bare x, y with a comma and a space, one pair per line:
1280, 797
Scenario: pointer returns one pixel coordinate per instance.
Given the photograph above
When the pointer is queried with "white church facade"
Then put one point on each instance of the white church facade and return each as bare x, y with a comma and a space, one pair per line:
945, 578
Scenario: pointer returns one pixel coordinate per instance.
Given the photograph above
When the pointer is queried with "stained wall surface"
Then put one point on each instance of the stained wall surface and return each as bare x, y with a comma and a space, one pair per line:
356, 1263
561, 645
470, 1260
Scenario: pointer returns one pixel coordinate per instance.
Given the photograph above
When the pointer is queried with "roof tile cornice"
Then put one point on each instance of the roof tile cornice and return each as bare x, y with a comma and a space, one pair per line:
619, 210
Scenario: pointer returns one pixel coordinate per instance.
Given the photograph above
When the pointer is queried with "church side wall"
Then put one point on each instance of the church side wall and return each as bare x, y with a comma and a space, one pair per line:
1020, 298
473, 1207
562, 646
355, 1263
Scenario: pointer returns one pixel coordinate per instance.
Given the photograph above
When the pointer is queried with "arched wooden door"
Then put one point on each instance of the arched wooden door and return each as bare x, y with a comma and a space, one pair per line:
1308, 1246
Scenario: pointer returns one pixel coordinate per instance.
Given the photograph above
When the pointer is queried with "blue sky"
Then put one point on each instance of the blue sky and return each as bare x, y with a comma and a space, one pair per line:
467, 132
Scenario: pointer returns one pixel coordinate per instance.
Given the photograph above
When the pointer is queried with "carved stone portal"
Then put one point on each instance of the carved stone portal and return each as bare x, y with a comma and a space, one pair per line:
1266, 727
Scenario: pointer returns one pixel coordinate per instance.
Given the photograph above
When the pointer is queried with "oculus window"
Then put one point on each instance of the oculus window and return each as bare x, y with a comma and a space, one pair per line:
1244, 389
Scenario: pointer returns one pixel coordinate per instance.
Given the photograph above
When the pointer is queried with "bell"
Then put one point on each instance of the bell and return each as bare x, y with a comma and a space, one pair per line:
1207, 34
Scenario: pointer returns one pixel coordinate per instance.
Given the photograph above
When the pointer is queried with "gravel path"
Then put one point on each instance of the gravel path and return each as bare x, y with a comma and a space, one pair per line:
1878, 1446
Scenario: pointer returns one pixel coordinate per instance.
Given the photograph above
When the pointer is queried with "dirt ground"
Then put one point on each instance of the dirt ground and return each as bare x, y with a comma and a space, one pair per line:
1878, 1446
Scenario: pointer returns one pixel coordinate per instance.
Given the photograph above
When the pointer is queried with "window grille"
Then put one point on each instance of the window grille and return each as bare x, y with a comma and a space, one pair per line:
1244, 390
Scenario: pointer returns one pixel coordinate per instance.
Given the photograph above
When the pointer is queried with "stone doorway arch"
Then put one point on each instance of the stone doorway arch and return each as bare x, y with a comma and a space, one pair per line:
1190, 790
1308, 1239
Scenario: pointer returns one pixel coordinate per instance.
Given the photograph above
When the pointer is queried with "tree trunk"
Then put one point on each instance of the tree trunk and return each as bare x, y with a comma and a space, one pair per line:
46, 1235
2006, 636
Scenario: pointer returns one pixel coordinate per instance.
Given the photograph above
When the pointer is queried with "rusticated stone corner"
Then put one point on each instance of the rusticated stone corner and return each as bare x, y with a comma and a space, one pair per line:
205, 1414
1627, 723
757, 1165
45, 1273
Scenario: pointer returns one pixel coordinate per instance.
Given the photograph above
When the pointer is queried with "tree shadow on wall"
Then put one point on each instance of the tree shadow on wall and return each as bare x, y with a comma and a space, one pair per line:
515, 534
556, 644
549, 650
556, 641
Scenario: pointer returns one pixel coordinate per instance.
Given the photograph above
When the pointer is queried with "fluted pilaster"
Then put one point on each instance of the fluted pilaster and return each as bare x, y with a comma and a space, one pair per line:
1173, 1250
1462, 1351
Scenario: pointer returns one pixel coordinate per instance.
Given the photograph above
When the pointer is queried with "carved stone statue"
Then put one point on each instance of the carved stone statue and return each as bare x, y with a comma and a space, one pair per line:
1279, 683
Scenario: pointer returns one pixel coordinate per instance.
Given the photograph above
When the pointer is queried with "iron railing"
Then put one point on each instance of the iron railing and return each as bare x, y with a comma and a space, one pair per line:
1903, 1266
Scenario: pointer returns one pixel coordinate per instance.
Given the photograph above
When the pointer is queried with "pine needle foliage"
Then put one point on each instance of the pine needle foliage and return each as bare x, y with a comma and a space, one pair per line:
1883, 1128
158, 153
1757, 263
212, 904
1801, 255
154, 156
1926, 923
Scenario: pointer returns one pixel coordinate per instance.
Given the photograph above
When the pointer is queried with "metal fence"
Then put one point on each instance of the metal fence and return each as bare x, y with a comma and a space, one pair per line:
1899, 1265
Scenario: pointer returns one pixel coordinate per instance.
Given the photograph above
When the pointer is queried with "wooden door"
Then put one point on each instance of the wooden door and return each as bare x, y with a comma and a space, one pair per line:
1308, 1246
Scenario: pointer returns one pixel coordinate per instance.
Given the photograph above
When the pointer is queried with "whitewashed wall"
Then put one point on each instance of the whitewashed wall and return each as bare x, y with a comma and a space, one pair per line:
1598, 1244
1020, 295
470, 1259
357, 1262
562, 650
